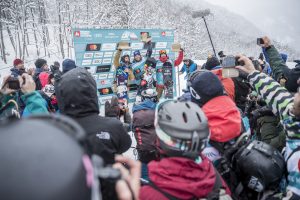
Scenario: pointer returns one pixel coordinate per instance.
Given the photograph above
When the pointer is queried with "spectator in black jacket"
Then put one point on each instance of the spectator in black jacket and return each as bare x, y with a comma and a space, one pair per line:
76, 93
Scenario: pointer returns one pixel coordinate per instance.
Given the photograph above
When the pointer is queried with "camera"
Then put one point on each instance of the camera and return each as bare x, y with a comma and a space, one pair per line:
260, 41
13, 83
105, 177
229, 63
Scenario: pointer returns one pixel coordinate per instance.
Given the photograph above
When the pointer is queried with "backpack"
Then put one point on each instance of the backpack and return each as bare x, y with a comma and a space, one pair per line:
218, 192
144, 132
10, 109
37, 81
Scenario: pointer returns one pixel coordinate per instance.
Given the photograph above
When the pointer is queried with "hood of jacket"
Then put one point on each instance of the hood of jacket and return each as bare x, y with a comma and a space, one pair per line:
224, 119
182, 177
76, 93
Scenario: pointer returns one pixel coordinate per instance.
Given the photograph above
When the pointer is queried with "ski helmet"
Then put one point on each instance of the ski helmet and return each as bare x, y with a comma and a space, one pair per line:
149, 94
259, 166
181, 128
42, 159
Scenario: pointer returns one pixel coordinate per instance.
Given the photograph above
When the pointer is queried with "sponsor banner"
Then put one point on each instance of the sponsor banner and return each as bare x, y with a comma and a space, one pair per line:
95, 50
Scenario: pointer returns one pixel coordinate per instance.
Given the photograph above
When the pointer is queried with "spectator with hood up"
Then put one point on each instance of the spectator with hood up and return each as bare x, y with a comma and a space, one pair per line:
76, 93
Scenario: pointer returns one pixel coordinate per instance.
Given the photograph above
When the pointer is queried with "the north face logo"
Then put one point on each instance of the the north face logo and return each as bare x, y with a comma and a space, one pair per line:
103, 136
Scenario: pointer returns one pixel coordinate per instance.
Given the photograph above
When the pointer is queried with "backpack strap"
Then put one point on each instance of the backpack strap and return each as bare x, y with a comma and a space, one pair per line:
214, 194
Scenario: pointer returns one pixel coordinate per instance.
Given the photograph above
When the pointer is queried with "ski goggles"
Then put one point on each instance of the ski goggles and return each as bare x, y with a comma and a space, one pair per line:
162, 52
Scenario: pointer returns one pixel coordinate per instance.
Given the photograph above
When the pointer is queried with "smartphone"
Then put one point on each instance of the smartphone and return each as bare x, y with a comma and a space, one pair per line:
229, 63
13, 83
260, 41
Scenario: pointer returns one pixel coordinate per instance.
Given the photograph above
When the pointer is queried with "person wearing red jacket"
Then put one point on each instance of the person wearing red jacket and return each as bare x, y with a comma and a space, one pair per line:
182, 172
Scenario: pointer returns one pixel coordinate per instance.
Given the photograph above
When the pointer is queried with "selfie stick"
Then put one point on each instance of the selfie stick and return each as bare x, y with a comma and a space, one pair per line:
203, 14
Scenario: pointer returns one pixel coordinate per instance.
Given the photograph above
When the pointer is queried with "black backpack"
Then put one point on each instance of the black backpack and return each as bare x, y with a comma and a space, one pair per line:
144, 132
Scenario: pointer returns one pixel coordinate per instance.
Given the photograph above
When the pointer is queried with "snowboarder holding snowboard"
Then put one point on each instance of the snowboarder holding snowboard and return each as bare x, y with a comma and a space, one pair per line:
164, 73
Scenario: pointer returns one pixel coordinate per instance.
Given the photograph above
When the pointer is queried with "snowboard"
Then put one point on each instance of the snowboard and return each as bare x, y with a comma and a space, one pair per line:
167, 71
148, 77
122, 83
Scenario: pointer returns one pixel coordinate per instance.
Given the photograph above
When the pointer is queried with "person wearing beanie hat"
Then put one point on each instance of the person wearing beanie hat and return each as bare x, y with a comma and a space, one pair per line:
188, 67
68, 64
223, 116
18, 68
205, 87
164, 61
41, 67
212, 63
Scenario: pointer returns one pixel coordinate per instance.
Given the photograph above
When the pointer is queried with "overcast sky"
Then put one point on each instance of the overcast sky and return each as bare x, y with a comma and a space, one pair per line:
278, 18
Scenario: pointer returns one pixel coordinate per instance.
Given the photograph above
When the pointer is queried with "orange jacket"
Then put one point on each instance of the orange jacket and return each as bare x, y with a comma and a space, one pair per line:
224, 119
227, 83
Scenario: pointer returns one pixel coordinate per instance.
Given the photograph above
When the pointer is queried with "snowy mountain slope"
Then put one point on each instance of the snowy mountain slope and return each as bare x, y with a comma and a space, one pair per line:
230, 32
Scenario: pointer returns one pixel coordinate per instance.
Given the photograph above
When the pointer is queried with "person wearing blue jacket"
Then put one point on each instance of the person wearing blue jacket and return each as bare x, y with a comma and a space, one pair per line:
188, 67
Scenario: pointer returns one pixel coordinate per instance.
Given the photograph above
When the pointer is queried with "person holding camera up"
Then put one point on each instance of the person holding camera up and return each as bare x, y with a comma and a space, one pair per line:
9, 94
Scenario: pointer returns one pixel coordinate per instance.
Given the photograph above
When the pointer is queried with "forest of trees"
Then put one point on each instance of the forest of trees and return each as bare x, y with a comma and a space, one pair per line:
42, 28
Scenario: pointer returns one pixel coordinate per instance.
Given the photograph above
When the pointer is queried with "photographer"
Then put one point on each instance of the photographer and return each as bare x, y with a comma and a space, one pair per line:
280, 71
52, 163
285, 106
34, 103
